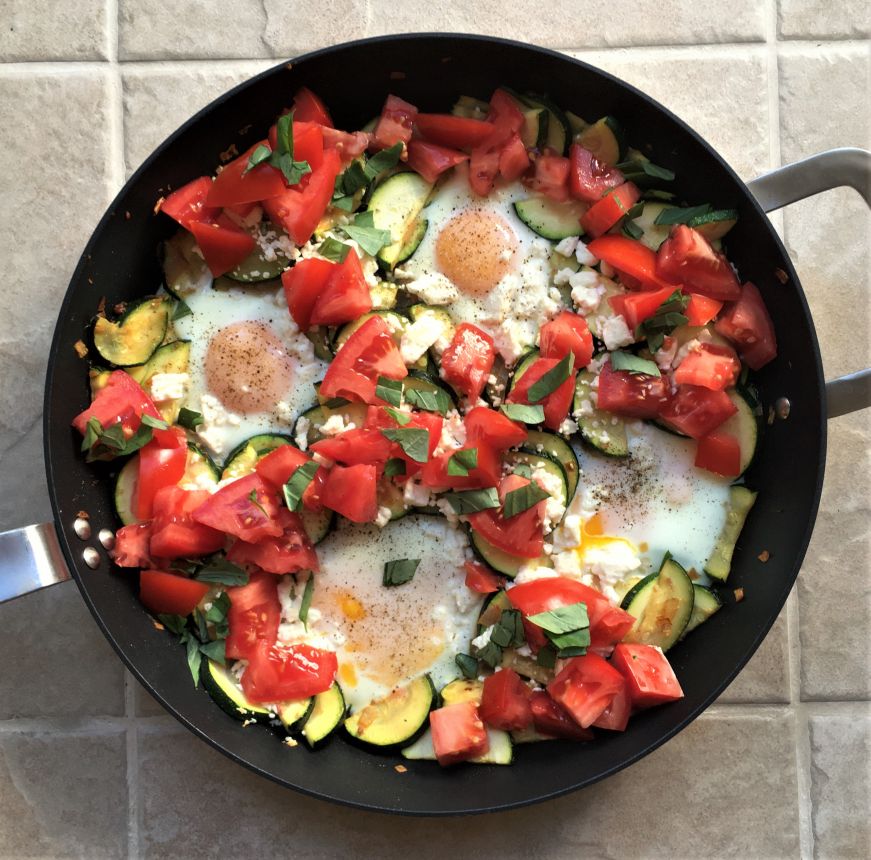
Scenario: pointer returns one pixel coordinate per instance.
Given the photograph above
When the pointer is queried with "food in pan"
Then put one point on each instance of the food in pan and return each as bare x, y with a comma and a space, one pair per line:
435, 432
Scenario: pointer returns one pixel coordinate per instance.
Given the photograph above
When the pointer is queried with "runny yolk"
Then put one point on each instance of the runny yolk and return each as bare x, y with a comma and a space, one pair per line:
348, 674
247, 367
475, 250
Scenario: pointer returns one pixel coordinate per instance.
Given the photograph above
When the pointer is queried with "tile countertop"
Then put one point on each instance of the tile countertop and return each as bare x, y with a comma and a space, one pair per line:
89, 765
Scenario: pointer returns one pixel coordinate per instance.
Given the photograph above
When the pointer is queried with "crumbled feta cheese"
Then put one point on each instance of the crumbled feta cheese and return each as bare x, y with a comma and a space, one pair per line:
568, 427
553, 506
588, 287
271, 244
301, 437
420, 336
665, 355
567, 563
482, 640
168, 386
583, 255
453, 434
215, 417
334, 425
568, 535
448, 512
611, 561
431, 287
383, 517
567, 246
616, 333
530, 572
416, 495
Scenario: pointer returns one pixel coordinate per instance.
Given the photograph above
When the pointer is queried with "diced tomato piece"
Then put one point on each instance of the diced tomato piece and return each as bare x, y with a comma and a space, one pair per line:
505, 701
649, 677
467, 361
352, 492
432, 423
236, 184
307, 107
396, 122
585, 687
636, 395
616, 716
170, 594
505, 117
223, 243
308, 143
520, 535
246, 508
605, 213
299, 209
506, 121
495, 429
487, 473
174, 533
483, 168
697, 411
287, 553
719, 453
632, 258
748, 325
254, 615
453, 131
280, 673
700, 310
565, 333
711, 366
278, 466
458, 733
480, 579
188, 203
158, 467
589, 178
687, 257
348, 145
431, 160
132, 546
551, 176
303, 284
637, 307
557, 403
346, 295
553, 720
513, 159
358, 445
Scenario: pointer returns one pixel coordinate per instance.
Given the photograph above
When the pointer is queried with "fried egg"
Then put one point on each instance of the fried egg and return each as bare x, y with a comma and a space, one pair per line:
483, 264
251, 369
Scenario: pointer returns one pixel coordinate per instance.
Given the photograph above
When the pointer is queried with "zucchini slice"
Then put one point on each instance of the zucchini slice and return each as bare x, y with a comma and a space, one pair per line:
653, 234
135, 337
317, 416
495, 392
501, 561
602, 430
391, 496
256, 267
321, 339
227, 694
544, 462
462, 690
605, 139
243, 458
523, 364
326, 714
384, 297
294, 714
576, 124
419, 381
415, 237
743, 425
125, 491
714, 225
200, 468
420, 311
559, 133
533, 133
184, 270
491, 610
395, 206
470, 108
501, 749
550, 219
395, 720
662, 604
555, 447
705, 604
740, 502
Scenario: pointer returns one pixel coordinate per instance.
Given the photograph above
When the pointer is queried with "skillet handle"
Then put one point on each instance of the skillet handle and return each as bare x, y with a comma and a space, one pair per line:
30, 559
813, 175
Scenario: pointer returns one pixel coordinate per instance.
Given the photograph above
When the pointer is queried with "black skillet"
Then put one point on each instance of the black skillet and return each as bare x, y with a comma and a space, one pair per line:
430, 71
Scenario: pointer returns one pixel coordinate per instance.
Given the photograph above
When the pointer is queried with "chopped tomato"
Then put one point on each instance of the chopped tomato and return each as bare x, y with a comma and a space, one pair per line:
605, 213
636, 395
454, 131
289, 552
483, 167
308, 143
637, 307
495, 429
278, 466
345, 296
551, 176
520, 535
236, 184
303, 284
307, 107
467, 361
299, 209
174, 533
254, 615
589, 178
748, 325
458, 733
352, 492
616, 716
348, 145
711, 366
431, 160
513, 159
557, 403
585, 687
223, 243
432, 423
697, 411
487, 473
358, 445
700, 310
396, 122
505, 117
158, 467
246, 508
649, 677
553, 720
566, 333
631, 258
506, 121
188, 203
505, 701
170, 594
480, 579
280, 673
687, 257
131, 546
719, 453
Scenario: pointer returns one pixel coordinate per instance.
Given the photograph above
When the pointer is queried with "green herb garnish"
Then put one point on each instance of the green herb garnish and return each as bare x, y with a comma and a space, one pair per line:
519, 500
528, 414
468, 665
389, 390
189, 419
399, 571
364, 232
298, 483
282, 156
679, 215
563, 619
414, 442
219, 571
154, 423
668, 316
307, 600
394, 466
472, 501
436, 400
633, 364
462, 461
552, 380
333, 250
182, 309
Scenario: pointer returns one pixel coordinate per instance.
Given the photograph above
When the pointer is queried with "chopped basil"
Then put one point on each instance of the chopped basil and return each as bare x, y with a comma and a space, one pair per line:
553, 379
430, 401
508, 630
189, 419
307, 600
215, 650
364, 232
401, 418
360, 173
389, 390
383, 160
563, 619
656, 194
633, 170
182, 309
471, 501
656, 171
298, 483
678, 215
352, 179
345, 203
571, 640
462, 461
261, 153
524, 470
394, 466
282, 156
92, 433
633, 364
155, 423
546, 657
334, 250
519, 500
631, 229
108, 443
399, 571
491, 654
219, 571
335, 403
252, 497
668, 316
195, 658
174, 623
468, 665
528, 414
414, 442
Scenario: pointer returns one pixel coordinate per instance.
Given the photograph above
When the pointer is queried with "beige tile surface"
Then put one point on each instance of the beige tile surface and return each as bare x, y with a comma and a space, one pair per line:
69, 31
820, 19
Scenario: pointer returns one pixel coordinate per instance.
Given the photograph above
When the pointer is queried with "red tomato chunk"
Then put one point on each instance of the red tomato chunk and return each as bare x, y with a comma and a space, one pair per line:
458, 734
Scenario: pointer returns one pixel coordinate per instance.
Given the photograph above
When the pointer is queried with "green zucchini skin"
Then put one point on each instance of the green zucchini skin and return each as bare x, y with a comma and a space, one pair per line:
222, 687
549, 219
555, 447
600, 430
741, 500
328, 711
136, 336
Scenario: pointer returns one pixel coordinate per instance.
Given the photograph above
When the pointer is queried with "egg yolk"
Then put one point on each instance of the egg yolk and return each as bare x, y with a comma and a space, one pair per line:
475, 250
593, 536
247, 367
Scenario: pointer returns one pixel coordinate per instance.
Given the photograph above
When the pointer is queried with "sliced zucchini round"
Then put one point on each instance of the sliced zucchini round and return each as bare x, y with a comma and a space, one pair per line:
533, 132
317, 524
601, 430
317, 416
523, 364
741, 500
326, 714
500, 751
462, 690
471, 108
255, 268
392, 497
496, 391
419, 311
384, 296
743, 425
220, 684
555, 447
415, 237
184, 270
321, 338
501, 561
706, 603
294, 714
653, 234
605, 139
492, 609
714, 225
550, 219
576, 124
395, 720
559, 133
135, 337
243, 458
125, 491
395, 206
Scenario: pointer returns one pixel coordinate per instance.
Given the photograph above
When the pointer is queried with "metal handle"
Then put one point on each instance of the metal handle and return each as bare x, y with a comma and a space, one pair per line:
822, 172
30, 558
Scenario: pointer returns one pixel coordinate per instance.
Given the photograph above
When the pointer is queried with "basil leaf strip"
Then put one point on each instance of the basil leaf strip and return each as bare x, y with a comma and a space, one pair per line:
430, 401
399, 571
468, 665
219, 571
333, 250
182, 310
552, 380
413, 441
633, 364
472, 501
389, 390
401, 418
462, 461
394, 466
519, 500
307, 600
668, 316
679, 215
298, 483
563, 619
188, 418
528, 414
156, 423
261, 153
